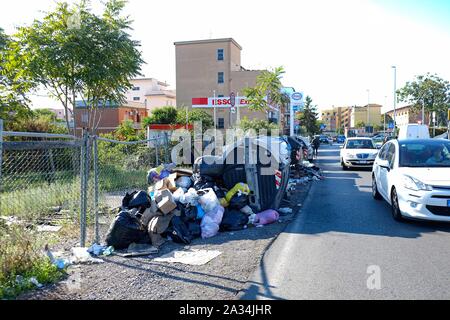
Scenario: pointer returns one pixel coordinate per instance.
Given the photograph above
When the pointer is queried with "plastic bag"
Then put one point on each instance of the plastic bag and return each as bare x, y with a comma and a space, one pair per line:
137, 199
184, 182
179, 195
208, 200
190, 198
160, 173
234, 220
238, 201
267, 217
211, 222
240, 187
203, 182
178, 231
247, 210
125, 230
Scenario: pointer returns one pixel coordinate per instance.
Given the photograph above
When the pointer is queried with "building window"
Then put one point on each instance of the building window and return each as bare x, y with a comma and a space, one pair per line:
136, 99
220, 77
221, 123
220, 54
136, 88
221, 96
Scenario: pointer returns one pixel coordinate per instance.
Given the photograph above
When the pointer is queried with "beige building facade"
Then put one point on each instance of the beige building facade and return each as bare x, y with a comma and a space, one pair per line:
152, 93
212, 68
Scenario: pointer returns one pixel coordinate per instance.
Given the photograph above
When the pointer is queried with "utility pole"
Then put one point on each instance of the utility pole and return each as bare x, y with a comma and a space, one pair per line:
368, 109
395, 97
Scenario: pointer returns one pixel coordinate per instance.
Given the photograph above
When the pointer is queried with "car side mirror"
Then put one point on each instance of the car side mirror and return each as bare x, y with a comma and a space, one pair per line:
385, 164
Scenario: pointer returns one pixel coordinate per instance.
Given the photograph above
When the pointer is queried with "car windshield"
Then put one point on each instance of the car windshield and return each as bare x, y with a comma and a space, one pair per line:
360, 144
425, 154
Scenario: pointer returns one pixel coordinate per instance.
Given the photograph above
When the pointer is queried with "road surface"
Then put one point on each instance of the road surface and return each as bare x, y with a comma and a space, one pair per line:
345, 245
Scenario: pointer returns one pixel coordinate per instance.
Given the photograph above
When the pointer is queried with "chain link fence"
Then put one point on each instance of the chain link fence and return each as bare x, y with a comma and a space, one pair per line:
46, 179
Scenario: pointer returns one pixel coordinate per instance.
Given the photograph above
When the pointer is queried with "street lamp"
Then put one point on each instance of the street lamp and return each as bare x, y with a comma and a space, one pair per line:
395, 96
368, 109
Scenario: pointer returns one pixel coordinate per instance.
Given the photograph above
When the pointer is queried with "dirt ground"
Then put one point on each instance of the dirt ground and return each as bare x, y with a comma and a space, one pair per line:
143, 279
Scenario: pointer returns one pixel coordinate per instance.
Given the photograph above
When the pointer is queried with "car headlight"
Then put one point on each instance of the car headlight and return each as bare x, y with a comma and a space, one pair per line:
415, 185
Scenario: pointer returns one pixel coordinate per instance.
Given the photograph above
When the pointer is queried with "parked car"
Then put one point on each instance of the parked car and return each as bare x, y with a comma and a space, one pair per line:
325, 139
309, 151
358, 153
341, 139
413, 176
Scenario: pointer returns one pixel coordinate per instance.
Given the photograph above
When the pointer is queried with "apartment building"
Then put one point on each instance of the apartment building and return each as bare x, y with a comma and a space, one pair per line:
110, 116
361, 114
152, 93
339, 118
406, 115
212, 68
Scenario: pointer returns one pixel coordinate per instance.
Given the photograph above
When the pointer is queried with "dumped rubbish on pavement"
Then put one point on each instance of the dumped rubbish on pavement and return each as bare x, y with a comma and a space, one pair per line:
81, 255
139, 250
285, 211
47, 228
189, 257
267, 217
234, 220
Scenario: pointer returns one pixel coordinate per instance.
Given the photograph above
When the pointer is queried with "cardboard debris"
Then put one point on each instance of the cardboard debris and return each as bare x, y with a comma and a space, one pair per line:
189, 257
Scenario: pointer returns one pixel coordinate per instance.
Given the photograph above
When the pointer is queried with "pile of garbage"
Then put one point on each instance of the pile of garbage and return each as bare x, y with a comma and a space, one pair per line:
180, 206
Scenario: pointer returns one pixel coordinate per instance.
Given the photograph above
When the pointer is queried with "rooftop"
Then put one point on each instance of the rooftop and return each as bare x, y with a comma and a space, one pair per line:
180, 43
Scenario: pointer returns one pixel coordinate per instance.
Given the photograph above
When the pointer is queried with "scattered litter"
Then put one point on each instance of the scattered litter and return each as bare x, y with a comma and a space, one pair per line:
60, 263
46, 228
189, 257
96, 249
285, 211
139, 250
81, 255
34, 281
267, 217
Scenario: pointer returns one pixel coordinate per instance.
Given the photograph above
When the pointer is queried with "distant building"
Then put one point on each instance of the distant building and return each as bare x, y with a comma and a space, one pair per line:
152, 93
206, 68
110, 116
339, 118
406, 115
361, 114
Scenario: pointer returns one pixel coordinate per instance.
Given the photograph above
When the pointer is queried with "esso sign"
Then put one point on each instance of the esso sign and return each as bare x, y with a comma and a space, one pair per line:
297, 96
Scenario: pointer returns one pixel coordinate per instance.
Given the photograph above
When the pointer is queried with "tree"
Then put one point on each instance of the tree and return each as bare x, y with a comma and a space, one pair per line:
308, 118
13, 85
360, 124
76, 54
267, 92
430, 91
195, 115
257, 125
163, 115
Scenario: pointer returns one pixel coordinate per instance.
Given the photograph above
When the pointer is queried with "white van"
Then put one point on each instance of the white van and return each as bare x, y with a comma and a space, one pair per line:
414, 131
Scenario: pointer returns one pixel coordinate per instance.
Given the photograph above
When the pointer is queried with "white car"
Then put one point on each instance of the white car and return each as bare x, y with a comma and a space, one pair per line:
358, 153
413, 176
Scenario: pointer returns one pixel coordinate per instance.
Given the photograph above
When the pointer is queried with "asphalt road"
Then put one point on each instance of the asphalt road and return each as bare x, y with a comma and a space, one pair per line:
345, 245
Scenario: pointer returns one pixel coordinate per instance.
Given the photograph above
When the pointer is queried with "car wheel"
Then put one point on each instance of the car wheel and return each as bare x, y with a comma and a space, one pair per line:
376, 195
344, 167
396, 213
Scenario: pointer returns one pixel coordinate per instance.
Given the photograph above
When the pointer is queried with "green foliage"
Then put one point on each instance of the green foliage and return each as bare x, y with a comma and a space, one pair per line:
267, 91
431, 91
13, 85
257, 125
196, 115
74, 52
163, 115
41, 121
360, 124
21, 258
308, 118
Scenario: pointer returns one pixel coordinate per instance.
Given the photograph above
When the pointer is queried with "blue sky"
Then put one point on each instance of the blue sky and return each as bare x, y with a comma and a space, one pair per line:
332, 50
436, 12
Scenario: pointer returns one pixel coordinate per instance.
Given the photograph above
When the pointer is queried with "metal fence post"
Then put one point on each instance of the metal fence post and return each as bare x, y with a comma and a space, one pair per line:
96, 186
157, 150
1, 153
83, 190
166, 146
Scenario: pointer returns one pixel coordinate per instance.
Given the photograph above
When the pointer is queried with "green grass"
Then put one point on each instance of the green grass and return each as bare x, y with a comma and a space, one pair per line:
21, 255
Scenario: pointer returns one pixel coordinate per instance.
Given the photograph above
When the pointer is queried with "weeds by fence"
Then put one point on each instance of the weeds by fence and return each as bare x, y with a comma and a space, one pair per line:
64, 180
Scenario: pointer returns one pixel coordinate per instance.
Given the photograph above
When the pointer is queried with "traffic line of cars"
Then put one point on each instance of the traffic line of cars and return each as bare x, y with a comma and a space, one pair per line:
411, 174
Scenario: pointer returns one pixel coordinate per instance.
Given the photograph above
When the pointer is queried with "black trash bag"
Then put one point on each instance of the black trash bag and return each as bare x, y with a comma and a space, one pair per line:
195, 229
220, 193
204, 182
233, 220
238, 202
190, 214
125, 230
178, 231
138, 199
